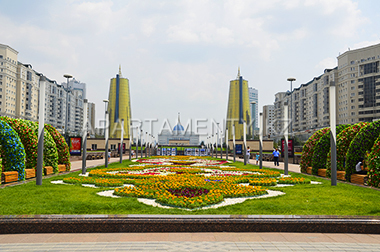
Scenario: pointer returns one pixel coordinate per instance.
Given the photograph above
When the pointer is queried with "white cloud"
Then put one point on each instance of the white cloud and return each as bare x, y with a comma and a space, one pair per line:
327, 63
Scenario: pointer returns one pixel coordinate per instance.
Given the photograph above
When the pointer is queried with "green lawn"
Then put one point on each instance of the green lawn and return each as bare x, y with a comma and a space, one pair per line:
324, 199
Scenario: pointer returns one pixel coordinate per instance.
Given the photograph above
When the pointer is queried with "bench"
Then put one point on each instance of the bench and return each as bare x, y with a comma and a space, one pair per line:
61, 168
9, 176
30, 173
48, 170
309, 170
322, 172
358, 179
341, 175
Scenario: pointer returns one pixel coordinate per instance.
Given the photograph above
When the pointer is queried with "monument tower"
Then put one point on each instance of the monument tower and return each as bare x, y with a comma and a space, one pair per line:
119, 106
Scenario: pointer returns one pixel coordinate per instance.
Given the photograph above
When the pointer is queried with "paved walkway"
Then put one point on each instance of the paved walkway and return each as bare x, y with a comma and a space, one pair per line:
189, 241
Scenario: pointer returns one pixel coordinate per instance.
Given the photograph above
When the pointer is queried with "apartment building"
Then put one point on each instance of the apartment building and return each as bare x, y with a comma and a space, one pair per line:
358, 89
268, 119
357, 81
254, 102
8, 81
308, 106
19, 95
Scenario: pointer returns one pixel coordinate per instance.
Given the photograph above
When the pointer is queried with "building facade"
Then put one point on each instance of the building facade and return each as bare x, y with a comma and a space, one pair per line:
178, 136
91, 118
357, 82
238, 109
268, 119
254, 102
19, 94
119, 106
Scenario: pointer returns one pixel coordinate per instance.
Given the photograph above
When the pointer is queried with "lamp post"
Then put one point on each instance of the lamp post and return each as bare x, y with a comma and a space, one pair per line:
245, 142
141, 132
106, 132
233, 140
254, 119
130, 142
146, 133
286, 138
332, 104
291, 79
84, 136
226, 144
41, 127
261, 140
121, 141
67, 76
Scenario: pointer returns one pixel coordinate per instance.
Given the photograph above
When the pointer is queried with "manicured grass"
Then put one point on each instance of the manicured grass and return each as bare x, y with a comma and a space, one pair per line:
324, 199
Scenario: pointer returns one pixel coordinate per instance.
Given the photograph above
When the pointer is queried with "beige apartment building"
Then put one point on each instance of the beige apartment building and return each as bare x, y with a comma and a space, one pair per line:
357, 95
268, 119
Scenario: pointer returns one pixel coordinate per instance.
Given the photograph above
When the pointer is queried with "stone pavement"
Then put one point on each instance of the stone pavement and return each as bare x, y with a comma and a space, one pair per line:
190, 242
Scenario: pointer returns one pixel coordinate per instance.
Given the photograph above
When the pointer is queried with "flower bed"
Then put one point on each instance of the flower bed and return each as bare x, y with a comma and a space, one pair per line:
343, 140
373, 162
12, 151
290, 180
308, 149
62, 148
322, 148
362, 142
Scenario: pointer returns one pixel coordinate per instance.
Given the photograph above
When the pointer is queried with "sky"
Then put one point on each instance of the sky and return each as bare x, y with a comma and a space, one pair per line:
180, 56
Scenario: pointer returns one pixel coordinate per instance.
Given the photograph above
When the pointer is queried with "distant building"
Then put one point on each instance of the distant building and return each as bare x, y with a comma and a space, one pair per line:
268, 119
91, 118
254, 104
238, 109
119, 106
178, 136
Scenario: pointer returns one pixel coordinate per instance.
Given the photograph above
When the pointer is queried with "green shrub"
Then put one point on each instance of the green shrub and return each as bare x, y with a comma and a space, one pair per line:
308, 148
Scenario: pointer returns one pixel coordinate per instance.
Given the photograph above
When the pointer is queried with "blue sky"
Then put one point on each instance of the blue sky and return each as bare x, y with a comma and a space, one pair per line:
180, 55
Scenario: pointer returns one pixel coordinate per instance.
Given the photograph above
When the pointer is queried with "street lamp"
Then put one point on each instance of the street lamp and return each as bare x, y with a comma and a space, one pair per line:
67, 76
254, 119
106, 131
291, 102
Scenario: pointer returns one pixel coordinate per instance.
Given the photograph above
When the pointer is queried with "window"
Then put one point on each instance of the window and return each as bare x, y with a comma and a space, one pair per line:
352, 107
352, 94
352, 88
94, 146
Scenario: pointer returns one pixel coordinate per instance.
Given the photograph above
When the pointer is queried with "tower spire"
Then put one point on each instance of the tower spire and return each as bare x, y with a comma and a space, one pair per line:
179, 122
120, 69
238, 75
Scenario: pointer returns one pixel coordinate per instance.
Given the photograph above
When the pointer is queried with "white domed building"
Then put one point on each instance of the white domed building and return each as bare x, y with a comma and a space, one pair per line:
178, 136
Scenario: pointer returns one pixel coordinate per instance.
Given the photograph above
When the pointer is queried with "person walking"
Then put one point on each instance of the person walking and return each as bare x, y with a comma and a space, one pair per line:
276, 155
257, 158
248, 154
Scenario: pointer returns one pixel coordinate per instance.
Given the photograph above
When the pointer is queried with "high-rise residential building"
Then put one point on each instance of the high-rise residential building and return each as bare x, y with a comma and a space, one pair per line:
91, 117
268, 119
27, 92
357, 82
8, 80
254, 104
238, 109
119, 106
358, 87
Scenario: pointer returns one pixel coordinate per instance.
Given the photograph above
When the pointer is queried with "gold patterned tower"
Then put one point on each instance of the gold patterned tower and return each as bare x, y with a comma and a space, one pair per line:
238, 109
119, 106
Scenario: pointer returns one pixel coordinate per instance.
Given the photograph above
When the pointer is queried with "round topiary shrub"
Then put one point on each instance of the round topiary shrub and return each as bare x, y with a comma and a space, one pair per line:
50, 148
343, 140
28, 138
62, 148
308, 149
362, 142
322, 148
373, 162
13, 153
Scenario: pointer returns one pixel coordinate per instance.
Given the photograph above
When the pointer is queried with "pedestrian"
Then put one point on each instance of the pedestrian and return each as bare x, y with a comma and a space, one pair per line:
248, 154
276, 155
257, 158
109, 155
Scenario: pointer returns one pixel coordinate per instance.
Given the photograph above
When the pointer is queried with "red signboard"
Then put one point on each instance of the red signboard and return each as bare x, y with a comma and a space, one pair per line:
75, 146
290, 147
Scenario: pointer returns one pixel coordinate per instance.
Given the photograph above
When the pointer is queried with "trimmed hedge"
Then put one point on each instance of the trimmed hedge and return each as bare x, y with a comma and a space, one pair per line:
322, 148
362, 142
308, 149
50, 148
343, 140
12, 151
374, 165
28, 138
62, 148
